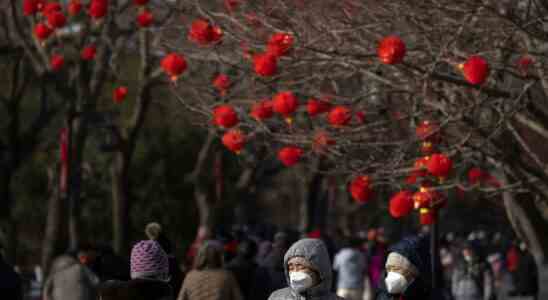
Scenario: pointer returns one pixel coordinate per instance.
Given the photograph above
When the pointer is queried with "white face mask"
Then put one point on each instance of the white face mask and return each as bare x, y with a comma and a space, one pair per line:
300, 281
396, 283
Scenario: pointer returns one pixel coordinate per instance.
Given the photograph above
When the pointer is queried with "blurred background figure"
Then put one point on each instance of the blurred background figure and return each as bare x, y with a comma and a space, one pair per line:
472, 278
10, 283
525, 279
350, 265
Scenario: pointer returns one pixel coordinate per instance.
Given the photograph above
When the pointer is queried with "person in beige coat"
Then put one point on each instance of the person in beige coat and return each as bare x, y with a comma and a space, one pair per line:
69, 280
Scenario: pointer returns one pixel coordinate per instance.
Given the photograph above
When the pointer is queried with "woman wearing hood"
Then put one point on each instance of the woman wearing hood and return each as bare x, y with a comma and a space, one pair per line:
308, 273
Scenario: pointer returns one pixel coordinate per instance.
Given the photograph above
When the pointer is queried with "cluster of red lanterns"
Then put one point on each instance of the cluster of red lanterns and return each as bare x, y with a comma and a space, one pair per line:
279, 44
203, 33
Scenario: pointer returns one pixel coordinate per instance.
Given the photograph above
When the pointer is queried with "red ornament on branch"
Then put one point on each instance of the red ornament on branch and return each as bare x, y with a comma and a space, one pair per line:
74, 7
391, 50
119, 94
51, 7
225, 116
427, 216
316, 107
145, 19
234, 140
321, 141
203, 33
360, 189
285, 103
140, 2
174, 65
423, 198
339, 116
56, 20
401, 204
56, 62
30, 7
475, 70
440, 165
290, 156
222, 83
280, 43
98, 9
262, 110
88, 53
265, 64
42, 31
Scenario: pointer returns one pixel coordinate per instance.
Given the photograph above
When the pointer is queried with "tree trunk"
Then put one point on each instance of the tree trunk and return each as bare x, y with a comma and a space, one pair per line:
120, 203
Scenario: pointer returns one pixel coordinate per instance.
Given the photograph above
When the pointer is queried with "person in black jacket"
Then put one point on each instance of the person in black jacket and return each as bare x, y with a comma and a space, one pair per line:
10, 283
526, 275
244, 268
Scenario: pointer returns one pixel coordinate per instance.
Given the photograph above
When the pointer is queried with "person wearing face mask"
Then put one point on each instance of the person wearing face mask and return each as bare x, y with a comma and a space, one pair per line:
308, 273
472, 279
407, 274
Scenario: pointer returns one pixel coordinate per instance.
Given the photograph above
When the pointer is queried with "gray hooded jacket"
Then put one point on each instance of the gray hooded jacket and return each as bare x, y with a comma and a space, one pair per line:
314, 251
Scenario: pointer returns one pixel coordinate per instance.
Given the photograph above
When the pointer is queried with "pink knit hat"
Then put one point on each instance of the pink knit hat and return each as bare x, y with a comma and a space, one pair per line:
148, 260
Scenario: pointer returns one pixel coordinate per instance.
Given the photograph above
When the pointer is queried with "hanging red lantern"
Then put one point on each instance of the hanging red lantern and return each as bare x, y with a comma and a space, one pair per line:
56, 62
145, 19
339, 116
56, 19
360, 116
321, 141
475, 70
262, 110
401, 204
74, 7
280, 43
42, 31
222, 83
439, 165
285, 103
427, 216
423, 198
290, 156
427, 130
88, 53
30, 7
203, 33
523, 64
231, 5
119, 94
316, 107
391, 50
225, 116
360, 189
475, 176
140, 2
98, 9
51, 7
265, 64
234, 140
174, 65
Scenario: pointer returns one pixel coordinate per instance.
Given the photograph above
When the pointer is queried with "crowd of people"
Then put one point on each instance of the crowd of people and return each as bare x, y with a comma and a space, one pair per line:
245, 265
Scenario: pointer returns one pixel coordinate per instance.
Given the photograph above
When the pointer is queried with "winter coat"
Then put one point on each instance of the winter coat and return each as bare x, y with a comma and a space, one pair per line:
244, 272
136, 289
416, 250
10, 282
315, 252
472, 281
272, 272
350, 265
69, 280
526, 276
210, 284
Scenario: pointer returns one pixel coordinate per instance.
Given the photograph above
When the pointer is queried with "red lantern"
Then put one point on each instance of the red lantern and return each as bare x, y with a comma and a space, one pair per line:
427, 130
51, 7
285, 103
427, 216
262, 110
174, 65
339, 116
42, 31
391, 50
231, 5
88, 53
439, 165
74, 7
119, 94
360, 115
140, 2
316, 107
225, 116
56, 62
423, 198
475, 176
30, 7
419, 167
145, 18
290, 156
360, 189
265, 64
321, 141
203, 33
234, 140
523, 64
401, 204
222, 83
98, 9
56, 19
280, 43
475, 70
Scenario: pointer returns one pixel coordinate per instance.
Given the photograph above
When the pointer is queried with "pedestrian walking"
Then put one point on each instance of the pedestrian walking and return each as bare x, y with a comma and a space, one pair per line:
69, 279
349, 263
472, 279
